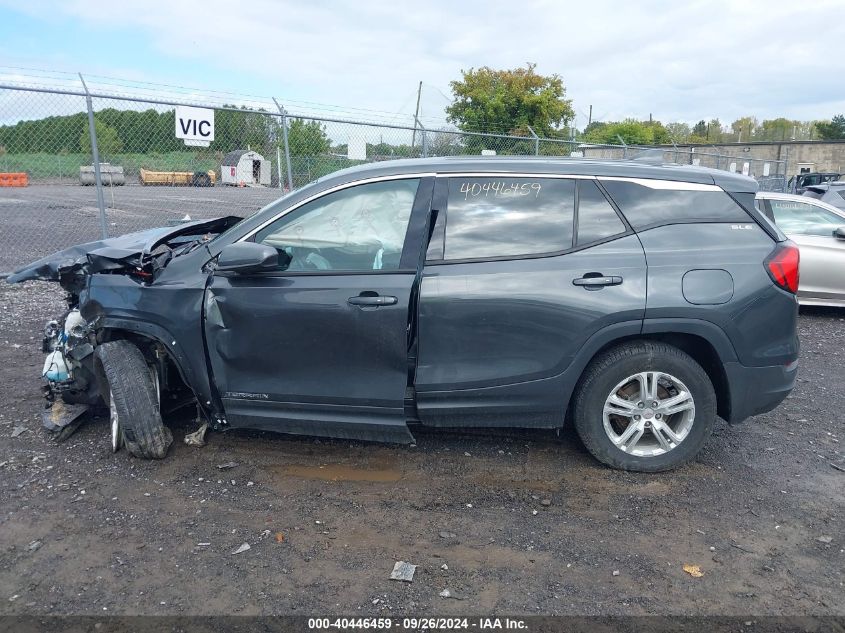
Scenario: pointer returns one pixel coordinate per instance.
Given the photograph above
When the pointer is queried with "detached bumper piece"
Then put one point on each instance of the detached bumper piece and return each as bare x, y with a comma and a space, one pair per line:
63, 419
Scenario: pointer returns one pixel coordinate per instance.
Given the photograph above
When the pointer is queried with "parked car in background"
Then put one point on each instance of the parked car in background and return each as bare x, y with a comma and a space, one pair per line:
833, 193
798, 184
634, 301
818, 229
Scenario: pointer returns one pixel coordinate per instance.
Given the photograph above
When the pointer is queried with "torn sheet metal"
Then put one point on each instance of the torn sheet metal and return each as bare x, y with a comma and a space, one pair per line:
61, 415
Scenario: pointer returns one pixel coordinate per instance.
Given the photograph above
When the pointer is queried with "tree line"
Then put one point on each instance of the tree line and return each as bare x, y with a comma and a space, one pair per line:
151, 131
745, 129
519, 100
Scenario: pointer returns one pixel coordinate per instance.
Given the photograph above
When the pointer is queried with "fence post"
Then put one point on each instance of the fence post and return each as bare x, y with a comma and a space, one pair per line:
536, 140
785, 163
98, 181
279, 167
424, 137
624, 146
285, 141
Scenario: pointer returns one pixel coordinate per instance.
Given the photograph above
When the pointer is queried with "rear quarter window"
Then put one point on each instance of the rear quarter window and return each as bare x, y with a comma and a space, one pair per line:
597, 220
665, 202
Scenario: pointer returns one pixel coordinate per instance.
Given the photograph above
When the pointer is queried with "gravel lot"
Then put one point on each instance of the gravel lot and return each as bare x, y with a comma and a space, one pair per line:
509, 522
41, 219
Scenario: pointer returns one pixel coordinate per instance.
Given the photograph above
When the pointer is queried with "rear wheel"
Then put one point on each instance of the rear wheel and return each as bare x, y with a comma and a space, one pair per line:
644, 406
134, 413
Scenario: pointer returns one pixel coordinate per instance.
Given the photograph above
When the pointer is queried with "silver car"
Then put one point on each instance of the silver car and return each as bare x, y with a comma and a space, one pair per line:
832, 192
818, 229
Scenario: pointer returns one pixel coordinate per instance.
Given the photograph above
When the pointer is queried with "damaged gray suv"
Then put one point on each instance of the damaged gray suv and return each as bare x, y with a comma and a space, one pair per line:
635, 301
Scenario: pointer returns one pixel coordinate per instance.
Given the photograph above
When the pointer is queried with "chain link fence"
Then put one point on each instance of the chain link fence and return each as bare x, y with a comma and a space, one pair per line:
770, 175
150, 178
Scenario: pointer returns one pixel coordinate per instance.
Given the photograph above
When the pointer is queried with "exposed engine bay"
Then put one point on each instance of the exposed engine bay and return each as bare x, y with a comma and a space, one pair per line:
67, 344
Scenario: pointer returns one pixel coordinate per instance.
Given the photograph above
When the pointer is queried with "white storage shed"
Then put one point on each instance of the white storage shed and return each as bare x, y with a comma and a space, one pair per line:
245, 167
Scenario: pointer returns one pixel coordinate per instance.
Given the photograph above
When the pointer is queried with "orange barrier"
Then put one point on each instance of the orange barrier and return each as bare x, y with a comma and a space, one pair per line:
14, 180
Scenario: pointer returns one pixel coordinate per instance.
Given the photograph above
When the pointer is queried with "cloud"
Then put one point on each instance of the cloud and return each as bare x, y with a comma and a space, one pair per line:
675, 60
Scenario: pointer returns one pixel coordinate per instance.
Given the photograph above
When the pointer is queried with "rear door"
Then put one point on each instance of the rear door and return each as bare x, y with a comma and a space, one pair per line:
811, 226
520, 273
320, 346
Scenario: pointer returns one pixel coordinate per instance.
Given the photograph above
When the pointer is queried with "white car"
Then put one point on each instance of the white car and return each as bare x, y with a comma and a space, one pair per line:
818, 229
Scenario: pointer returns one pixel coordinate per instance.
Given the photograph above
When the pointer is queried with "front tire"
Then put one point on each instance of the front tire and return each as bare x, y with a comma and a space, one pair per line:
644, 406
134, 409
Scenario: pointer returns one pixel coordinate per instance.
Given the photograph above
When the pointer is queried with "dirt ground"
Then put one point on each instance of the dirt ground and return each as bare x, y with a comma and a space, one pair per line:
509, 522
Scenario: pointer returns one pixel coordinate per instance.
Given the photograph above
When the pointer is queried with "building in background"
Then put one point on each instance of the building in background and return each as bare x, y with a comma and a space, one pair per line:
245, 167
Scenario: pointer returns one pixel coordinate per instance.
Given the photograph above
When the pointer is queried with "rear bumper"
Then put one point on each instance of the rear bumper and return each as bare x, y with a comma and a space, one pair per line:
756, 390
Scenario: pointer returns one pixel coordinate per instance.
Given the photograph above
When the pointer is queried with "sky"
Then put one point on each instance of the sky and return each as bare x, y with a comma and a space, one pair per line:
676, 60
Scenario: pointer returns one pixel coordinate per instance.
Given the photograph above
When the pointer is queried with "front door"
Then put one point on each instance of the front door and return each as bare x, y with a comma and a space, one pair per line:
320, 347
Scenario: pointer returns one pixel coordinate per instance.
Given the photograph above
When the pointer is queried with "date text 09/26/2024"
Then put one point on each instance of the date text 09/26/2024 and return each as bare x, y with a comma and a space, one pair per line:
416, 624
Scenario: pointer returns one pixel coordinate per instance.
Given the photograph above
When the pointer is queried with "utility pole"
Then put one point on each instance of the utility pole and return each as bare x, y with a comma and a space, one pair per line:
590, 118
416, 116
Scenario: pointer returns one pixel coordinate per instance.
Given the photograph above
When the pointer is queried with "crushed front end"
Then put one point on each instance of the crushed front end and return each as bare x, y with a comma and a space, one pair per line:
112, 293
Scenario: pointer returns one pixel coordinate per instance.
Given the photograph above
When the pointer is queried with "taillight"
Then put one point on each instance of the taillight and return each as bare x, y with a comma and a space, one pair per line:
782, 266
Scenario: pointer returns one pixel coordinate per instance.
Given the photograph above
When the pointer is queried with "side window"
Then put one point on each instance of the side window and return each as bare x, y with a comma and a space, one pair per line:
356, 229
804, 219
502, 217
597, 220
664, 202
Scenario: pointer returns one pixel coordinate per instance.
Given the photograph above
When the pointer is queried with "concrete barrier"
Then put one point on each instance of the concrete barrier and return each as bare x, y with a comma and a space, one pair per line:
109, 174
17, 179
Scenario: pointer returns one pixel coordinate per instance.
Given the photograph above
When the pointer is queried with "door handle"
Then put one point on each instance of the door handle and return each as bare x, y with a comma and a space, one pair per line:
595, 282
372, 300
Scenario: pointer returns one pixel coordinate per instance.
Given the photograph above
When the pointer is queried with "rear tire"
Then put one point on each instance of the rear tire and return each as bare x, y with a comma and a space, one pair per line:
608, 401
133, 396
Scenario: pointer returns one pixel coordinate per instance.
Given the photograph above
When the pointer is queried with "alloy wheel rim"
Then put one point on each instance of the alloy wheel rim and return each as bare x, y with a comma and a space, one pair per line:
115, 424
648, 414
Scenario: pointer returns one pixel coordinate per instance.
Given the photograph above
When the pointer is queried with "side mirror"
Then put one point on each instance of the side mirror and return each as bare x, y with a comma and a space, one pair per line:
247, 257
839, 233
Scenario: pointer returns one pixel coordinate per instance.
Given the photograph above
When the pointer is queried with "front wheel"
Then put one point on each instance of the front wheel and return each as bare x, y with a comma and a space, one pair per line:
133, 401
644, 406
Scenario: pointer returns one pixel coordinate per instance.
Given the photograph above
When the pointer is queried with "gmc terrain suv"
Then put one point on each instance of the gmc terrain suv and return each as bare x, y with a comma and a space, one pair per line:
637, 301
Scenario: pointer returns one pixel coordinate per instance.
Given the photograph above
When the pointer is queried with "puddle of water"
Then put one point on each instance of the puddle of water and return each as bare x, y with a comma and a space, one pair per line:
339, 472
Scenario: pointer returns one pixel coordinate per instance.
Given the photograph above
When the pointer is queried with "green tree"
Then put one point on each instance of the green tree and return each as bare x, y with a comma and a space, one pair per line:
833, 129
779, 129
659, 134
631, 131
715, 133
592, 127
241, 129
678, 131
508, 101
744, 128
700, 129
308, 138
108, 141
